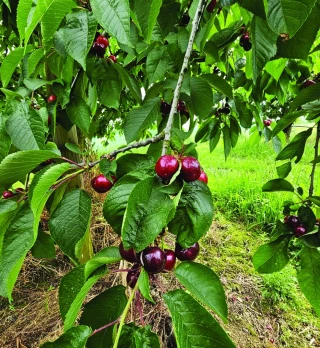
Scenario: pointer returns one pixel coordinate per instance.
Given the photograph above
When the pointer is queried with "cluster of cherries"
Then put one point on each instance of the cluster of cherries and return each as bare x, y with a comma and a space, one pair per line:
225, 110
267, 122
245, 41
295, 225
155, 260
168, 165
99, 47
165, 108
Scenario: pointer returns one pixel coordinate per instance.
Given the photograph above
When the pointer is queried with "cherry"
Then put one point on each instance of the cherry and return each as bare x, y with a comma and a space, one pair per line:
7, 194
19, 190
181, 107
187, 254
51, 99
225, 110
185, 19
216, 70
211, 6
128, 255
102, 41
166, 167
244, 39
170, 260
292, 221
113, 58
98, 49
220, 110
308, 83
267, 122
153, 259
248, 46
165, 108
300, 231
101, 184
203, 177
190, 169
133, 275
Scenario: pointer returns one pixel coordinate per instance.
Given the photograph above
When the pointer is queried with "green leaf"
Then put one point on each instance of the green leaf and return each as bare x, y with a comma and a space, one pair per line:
75, 337
130, 82
5, 141
263, 45
296, 147
44, 12
194, 214
102, 310
226, 140
286, 121
73, 148
307, 95
219, 84
133, 336
211, 292
18, 238
299, 46
144, 285
193, 325
158, 63
284, 170
70, 222
254, 6
201, 98
17, 164
23, 12
285, 16
79, 113
309, 276
272, 257
307, 217
277, 185
148, 211
10, 63
114, 17
109, 88
275, 67
25, 127
77, 35
147, 13
141, 118
34, 60
44, 248
315, 200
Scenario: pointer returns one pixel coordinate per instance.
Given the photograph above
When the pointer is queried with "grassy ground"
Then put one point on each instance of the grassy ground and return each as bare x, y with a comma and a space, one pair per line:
264, 311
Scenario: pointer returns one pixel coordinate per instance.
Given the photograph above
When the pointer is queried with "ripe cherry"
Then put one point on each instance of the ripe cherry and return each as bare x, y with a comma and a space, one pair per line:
128, 255
216, 70
244, 39
247, 46
153, 259
170, 260
300, 231
211, 6
267, 122
225, 110
166, 167
98, 49
292, 221
203, 177
113, 58
187, 254
101, 184
190, 169
51, 99
185, 19
165, 108
102, 41
181, 107
133, 275
308, 83
7, 194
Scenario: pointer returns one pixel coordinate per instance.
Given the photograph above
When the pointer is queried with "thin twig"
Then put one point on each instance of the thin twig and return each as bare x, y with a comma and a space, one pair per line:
81, 165
105, 327
184, 68
314, 164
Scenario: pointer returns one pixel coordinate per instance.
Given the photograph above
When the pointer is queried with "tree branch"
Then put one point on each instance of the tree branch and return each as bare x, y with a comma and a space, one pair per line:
105, 327
195, 25
316, 154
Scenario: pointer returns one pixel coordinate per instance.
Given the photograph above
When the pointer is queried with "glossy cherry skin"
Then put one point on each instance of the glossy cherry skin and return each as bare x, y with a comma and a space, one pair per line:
212, 4
102, 41
308, 83
267, 122
225, 110
245, 38
153, 259
203, 177
101, 184
51, 99
300, 231
98, 49
166, 167
247, 46
7, 194
113, 58
133, 275
187, 254
292, 221
170, 260
128, 255
190, 169
181, 107
165, 108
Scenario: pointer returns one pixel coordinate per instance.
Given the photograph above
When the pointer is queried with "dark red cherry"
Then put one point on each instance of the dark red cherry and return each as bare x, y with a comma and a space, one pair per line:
51, 99
101, 184
170, 260
247, 46
300, 231
153, 259
165, 108
102, 41
190, 169
166, 167
98, 49
212, 4
113, 58
7, 194
267, 122
203, 177
128, 255
187, 254
181, 107
293, 221
308, 83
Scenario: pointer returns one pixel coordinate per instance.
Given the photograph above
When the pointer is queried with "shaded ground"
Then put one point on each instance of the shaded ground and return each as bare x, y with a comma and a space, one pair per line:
33, 317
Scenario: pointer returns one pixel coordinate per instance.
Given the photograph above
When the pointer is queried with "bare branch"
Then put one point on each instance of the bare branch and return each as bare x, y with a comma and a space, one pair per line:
316, 155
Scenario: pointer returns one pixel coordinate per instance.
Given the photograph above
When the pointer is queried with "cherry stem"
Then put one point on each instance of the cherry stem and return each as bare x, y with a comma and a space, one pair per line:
184, 68
124, 315
105, 327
